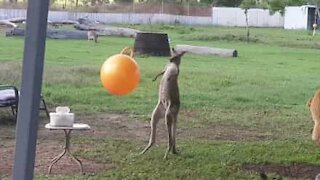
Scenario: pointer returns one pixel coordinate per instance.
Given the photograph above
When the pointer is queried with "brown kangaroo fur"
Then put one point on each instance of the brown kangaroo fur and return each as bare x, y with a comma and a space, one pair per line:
92, 35
168, 104
314, 105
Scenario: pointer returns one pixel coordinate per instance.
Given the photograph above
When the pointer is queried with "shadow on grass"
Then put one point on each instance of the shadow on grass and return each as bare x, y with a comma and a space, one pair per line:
278, 171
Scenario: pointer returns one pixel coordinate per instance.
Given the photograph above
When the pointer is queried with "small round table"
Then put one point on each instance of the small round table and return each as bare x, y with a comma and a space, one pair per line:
67, 132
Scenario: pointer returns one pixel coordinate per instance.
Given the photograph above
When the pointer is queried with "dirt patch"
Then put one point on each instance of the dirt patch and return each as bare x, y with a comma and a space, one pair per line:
116, 125
44, 153
223, 133
66, 166
294, 171
123, 126
50, 143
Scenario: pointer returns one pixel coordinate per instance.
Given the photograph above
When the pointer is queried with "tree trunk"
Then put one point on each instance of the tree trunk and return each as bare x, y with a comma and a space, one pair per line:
314, 25
247, 24
65, 4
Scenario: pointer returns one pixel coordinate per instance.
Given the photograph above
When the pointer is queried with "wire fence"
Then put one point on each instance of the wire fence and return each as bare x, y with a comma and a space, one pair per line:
155, 13
140, 8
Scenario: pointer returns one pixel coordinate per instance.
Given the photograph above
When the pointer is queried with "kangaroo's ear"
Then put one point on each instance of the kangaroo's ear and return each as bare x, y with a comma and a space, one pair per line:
309, 102
173, 52
176, 55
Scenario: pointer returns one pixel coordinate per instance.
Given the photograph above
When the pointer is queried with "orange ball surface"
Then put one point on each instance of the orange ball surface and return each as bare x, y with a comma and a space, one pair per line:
120, 74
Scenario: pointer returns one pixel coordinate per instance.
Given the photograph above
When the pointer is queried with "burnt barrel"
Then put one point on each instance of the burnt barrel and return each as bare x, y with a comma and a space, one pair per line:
154, 44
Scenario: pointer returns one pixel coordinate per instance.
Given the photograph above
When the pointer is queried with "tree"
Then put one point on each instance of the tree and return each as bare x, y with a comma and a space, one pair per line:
279, 5
225, 3
246, 5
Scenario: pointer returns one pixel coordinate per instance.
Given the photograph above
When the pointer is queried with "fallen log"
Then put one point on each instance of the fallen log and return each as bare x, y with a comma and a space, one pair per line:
53, 33
57, 24
12, 22
17, 19
83, 27
62, 22
108, 31
116, 31
203, 50
8, 23
86, 21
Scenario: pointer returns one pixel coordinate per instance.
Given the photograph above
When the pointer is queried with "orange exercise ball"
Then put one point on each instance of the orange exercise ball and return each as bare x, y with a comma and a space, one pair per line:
120, 73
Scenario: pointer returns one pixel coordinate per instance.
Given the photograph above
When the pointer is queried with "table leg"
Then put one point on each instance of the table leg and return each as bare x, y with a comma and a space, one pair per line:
65, 151
77, 161
55, 160
58, 156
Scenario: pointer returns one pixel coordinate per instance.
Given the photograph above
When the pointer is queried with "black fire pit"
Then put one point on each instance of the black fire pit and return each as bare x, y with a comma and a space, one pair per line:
154, 44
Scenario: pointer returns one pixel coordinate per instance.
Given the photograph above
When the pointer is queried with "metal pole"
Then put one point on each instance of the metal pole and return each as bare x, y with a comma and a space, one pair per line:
27, 124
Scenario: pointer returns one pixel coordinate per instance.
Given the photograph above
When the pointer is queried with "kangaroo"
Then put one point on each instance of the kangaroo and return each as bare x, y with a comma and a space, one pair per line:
92, 35
168, 103
314, 106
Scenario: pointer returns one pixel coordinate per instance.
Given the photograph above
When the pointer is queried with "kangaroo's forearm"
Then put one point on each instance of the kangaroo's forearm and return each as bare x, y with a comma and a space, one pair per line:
158, 75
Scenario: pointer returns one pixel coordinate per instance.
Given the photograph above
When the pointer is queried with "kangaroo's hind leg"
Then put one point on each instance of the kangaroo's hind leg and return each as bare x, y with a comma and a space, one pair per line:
174, 129
169, 120
157, 114
175, 111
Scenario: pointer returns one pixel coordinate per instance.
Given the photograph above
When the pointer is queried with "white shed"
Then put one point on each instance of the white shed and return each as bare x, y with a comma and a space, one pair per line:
299, 17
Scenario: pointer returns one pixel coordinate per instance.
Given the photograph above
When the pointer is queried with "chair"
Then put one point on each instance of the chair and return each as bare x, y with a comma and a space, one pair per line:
9, 97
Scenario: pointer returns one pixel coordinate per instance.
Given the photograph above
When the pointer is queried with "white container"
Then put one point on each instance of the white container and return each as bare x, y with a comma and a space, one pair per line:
62, 117
62, 109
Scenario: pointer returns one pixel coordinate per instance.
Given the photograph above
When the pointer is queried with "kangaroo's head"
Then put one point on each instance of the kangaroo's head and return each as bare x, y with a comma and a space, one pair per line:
176, 56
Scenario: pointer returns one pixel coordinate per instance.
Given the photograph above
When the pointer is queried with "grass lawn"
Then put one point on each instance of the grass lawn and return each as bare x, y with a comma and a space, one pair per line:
239, 111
